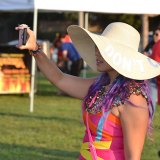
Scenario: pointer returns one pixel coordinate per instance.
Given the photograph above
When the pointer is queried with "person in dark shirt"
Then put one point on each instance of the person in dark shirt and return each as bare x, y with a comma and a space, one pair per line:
148, 49
70, 54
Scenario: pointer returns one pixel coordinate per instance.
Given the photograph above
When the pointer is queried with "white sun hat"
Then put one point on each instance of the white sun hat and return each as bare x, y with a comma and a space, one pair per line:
118, 45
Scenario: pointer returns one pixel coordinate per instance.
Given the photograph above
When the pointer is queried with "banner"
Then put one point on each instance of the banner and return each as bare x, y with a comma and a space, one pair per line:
15, 69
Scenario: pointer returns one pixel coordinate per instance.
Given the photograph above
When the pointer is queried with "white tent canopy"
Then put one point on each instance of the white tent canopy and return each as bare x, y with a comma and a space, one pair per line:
103, 6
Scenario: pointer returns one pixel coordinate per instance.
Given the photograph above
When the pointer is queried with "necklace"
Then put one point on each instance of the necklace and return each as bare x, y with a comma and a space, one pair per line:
94, 103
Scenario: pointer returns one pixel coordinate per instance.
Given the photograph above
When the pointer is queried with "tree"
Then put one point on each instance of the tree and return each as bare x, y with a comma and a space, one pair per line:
104, 19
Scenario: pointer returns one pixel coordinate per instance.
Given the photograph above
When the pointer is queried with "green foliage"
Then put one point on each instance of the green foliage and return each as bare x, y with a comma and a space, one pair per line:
72, 16
104, 19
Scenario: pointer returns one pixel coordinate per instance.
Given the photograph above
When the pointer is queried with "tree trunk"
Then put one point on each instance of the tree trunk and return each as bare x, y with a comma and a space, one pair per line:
145, 30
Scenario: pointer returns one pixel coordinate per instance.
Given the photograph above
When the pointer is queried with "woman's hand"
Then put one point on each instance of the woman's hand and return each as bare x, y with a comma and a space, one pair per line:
31, 39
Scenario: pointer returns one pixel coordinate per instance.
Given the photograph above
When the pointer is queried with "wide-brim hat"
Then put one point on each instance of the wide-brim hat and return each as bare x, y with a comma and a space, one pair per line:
118, 45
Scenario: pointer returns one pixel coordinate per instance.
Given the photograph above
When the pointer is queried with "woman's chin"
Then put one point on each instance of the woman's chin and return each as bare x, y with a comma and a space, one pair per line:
100, 69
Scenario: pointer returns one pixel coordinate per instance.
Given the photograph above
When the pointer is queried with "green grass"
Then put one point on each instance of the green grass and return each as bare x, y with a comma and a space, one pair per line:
152, 147
53, 131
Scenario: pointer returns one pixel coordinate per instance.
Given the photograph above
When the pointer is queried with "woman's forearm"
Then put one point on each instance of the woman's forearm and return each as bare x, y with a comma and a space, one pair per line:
48, 68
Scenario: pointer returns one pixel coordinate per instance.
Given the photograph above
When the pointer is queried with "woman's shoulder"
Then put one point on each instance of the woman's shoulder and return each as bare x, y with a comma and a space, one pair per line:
133, 91
138, 93
137, 89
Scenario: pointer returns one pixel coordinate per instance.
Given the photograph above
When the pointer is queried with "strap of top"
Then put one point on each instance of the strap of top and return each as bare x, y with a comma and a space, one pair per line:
91, 146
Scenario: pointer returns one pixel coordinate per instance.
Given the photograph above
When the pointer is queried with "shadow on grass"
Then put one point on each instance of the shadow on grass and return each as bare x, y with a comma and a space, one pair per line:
49, 90
61, 119
46, 92
45, 88
21, 152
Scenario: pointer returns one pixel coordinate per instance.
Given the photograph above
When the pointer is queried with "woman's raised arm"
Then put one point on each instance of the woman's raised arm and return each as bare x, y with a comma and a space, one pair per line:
74, 86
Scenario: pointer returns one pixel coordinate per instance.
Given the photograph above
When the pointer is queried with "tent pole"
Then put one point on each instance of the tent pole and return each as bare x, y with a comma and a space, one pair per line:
81, 19
145, 28
82, 23
35, 18
86, 19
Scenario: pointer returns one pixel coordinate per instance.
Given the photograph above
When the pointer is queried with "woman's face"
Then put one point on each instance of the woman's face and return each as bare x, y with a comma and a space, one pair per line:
102, 65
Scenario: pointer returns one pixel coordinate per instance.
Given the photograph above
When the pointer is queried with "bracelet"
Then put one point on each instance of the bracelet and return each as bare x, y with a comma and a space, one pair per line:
34, 53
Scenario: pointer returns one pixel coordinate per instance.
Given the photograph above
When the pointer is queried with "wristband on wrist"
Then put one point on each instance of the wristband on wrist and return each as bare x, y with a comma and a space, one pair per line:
38, 51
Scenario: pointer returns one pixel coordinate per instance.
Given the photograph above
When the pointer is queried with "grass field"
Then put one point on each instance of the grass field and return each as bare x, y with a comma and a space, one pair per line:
53, 131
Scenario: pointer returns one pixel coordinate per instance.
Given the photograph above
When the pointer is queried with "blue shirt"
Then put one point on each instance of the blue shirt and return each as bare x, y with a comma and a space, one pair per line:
72, 54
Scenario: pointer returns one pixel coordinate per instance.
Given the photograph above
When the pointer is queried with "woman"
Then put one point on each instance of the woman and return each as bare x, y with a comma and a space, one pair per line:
117, 107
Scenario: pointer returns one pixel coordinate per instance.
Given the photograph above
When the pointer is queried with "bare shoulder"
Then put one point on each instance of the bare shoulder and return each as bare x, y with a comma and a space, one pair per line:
137, 99
136, 109
134, 105
134, 117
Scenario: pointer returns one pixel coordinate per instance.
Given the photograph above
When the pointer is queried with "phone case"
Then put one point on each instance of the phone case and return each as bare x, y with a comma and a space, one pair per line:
22, 36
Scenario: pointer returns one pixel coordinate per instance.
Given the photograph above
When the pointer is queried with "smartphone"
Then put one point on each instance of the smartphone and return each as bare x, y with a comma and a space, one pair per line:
22, 37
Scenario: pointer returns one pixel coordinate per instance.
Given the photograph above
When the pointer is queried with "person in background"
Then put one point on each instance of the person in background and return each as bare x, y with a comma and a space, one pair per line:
61, 62
156, 56
148, 49
116, 108
152, 82
63, 65
70, 53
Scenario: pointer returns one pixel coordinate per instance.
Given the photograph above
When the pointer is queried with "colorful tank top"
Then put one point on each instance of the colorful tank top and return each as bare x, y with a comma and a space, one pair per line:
106, 132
